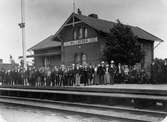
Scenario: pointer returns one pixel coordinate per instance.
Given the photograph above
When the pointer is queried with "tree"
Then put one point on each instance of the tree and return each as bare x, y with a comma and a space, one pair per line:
159, 71
122, 46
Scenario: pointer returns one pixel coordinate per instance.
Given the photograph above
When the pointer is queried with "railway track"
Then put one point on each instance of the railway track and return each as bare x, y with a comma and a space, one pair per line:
124, 113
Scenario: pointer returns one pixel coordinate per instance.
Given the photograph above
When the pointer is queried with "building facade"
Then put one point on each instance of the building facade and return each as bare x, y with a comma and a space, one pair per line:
78, 41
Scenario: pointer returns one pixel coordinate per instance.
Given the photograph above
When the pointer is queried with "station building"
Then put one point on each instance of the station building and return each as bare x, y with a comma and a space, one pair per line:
79, 41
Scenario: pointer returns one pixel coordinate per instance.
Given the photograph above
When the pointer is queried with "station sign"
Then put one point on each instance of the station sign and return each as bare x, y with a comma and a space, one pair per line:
80, 42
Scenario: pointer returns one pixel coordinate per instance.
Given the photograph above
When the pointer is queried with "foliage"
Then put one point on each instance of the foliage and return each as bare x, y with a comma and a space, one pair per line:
159, 71
122, 46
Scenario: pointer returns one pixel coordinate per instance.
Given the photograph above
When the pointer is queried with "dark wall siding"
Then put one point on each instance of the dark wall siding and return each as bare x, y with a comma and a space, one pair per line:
51, 60
91, 50
148, 55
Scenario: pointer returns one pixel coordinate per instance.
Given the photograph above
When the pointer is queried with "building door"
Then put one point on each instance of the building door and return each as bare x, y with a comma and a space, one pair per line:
80, 58
77, 58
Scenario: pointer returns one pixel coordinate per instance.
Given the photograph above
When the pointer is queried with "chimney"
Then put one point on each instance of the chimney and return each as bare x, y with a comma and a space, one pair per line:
93, 15
79, 12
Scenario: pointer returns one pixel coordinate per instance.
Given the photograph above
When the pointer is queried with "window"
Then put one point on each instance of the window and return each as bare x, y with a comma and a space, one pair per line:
80, 33
84, 59
75, 35
142, 46
85, 32
102, 46
77, 59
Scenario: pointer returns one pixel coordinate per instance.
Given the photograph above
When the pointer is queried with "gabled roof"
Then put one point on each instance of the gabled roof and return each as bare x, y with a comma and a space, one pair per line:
105, 26
97, 24
47, 43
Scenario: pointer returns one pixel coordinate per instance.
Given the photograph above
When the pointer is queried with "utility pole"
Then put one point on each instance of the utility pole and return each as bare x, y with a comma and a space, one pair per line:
22, 26
73, 6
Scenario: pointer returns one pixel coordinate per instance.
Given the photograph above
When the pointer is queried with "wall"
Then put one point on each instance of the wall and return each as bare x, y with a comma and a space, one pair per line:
51, 60
148, 55
91, 50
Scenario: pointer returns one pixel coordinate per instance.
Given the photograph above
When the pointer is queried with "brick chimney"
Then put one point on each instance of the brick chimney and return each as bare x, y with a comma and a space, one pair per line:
79, 12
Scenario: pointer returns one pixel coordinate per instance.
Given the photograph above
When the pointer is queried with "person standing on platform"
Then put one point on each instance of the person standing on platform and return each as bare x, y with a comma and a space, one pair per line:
90, 75
48, 74
14, 77
60, 77
8, 77
38, 78
112, 72
70, 77
96, 76
107, 75
66, 78
52, 77
31, 81
85, 76
1, 77
56, 75
120, 73
26, 76
101, 72
20, 77
82, 75
77, 76
73, 73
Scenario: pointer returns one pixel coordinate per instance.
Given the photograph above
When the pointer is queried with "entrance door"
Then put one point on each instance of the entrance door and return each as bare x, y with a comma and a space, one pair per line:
84, 59
80, 58
77, 58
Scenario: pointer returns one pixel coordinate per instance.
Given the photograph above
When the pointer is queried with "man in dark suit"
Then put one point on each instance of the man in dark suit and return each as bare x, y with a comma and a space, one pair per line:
101, 72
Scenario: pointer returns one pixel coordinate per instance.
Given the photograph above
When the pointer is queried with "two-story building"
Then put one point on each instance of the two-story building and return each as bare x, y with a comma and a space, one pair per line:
79, 41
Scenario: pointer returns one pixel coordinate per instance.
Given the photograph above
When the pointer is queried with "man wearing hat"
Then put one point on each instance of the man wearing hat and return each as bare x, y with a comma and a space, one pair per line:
112, 71
101, 72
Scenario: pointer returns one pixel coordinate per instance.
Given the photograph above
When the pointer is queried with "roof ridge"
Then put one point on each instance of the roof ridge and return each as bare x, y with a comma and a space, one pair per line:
96, 18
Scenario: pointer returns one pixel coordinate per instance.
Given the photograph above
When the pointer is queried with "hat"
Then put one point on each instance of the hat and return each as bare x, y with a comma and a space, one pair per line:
112, 61
107, 65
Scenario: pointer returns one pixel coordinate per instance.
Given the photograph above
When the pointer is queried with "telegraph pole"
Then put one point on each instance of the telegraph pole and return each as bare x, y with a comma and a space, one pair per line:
22, 26
73, 13
73, 6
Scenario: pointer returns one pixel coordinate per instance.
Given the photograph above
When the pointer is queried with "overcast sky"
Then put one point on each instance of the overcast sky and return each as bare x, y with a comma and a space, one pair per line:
44, 17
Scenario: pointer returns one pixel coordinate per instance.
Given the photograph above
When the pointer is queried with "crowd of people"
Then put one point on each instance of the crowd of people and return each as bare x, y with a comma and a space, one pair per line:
74, 75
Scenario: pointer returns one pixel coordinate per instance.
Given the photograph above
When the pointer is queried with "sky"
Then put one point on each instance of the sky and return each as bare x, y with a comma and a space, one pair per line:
44, 18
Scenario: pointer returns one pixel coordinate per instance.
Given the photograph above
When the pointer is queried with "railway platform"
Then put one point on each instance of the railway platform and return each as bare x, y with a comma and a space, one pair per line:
134, 102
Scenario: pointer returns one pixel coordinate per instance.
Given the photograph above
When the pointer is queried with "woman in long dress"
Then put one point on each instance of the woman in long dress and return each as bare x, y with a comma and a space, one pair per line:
77, 77
107, 75
96, 77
